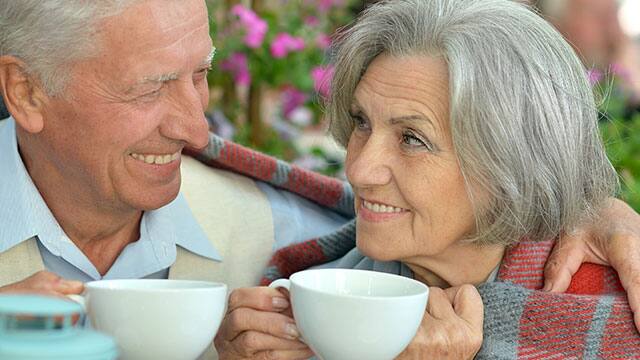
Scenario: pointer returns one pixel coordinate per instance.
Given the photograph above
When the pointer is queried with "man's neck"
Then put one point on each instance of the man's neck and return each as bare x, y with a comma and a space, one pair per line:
463, 263
100, 231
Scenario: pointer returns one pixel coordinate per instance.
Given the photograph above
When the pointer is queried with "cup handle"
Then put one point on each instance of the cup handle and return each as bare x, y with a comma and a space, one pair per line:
79, 299
281, 283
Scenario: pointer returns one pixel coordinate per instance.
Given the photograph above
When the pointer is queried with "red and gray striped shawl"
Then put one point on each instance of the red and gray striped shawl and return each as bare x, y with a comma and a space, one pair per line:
592, 320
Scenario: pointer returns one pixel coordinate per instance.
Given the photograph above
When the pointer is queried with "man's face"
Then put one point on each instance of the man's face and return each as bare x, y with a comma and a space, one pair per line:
115, 135
592, 27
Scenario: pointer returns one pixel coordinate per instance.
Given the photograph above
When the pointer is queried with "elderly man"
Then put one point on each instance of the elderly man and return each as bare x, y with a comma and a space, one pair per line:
592, 27
103, 97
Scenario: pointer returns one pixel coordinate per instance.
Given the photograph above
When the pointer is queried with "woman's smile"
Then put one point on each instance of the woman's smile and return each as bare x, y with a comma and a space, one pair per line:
375, 211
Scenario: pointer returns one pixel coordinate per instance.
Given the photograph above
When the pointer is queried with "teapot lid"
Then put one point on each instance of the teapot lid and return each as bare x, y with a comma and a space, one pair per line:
37, 306
39, 327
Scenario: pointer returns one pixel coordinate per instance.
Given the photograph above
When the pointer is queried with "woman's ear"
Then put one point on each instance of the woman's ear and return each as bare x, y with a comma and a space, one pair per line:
22, 93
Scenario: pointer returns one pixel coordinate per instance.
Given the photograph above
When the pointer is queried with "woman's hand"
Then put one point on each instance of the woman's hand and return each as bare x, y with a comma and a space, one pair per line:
614, 241
259, 325
451, 327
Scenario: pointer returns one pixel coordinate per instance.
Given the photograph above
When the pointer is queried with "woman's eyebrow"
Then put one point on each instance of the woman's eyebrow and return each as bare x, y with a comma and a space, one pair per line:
411, 119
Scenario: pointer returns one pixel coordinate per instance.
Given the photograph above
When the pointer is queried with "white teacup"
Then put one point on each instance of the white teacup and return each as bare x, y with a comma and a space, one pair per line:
156, 319
355, 314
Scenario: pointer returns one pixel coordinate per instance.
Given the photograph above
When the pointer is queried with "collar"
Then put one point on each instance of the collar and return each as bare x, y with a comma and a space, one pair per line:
29, 216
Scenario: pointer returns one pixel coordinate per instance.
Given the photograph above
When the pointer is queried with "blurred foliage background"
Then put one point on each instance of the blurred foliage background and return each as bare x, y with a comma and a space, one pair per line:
620, 128
270, 75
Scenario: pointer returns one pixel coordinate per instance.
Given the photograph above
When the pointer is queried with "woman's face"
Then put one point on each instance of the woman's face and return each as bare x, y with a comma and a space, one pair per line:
410, 199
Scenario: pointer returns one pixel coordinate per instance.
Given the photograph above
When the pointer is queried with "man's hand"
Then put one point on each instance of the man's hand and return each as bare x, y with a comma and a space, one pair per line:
259, 325
451, 327
614, 241
44, 283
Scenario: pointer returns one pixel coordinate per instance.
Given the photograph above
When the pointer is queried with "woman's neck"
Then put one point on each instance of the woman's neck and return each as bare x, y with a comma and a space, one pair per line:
463, 263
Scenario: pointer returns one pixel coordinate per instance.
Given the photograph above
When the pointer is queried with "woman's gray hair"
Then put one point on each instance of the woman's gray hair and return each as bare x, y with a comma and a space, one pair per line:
48, 35
522, 114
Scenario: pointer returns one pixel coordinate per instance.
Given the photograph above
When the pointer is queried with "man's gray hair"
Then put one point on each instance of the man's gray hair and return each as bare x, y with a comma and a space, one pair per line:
522, 114
48, 35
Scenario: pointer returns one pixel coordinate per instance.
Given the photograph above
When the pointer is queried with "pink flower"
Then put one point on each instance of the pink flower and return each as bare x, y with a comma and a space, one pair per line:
322, 76
291, 98
311, 21
326, 5
323, 41
594, 76
238, 66
284, 43
621, 72
254, 26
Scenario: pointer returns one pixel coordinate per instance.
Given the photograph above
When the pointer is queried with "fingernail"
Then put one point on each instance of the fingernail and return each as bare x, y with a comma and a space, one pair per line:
279, 303
292, 331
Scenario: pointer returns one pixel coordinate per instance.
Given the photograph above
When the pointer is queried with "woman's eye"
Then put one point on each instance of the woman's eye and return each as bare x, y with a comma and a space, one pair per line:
411, 140
360, 122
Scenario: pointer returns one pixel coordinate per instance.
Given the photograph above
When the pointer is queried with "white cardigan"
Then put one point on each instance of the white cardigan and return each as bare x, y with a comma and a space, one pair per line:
233, 212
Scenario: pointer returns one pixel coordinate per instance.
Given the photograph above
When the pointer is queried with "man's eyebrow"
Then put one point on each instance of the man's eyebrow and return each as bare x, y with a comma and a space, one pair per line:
159, 78
174, 76
209, 59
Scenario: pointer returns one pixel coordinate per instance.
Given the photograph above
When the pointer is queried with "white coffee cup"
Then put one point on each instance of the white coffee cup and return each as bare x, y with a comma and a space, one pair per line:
156, 319
355, 314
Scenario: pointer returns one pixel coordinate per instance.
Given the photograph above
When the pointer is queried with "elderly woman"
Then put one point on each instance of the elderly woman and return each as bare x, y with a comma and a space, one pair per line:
472, 142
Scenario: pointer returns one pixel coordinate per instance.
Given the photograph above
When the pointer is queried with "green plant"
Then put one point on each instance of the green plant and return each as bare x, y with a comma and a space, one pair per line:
622, 140
621, 136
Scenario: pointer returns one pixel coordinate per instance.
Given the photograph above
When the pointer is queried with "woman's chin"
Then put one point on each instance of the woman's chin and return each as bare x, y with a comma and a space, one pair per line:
377, 252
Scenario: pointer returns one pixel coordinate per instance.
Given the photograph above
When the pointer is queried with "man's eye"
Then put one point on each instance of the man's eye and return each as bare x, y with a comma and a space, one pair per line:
149, 96
204, 71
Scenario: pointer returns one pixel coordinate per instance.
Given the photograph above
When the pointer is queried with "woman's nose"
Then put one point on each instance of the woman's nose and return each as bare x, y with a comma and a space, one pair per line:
369, 164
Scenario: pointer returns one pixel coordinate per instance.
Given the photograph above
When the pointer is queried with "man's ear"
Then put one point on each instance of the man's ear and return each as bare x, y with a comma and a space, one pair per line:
22, 93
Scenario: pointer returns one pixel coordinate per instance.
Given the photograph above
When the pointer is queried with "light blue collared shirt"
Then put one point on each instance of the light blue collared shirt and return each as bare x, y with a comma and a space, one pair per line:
24, 214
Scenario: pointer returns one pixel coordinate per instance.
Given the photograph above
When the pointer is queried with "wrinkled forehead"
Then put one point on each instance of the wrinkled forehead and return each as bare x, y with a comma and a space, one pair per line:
152, 24
417, 83
153, 37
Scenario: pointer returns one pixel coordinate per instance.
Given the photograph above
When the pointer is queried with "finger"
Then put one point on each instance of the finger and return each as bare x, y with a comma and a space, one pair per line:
624, 256
438, 304
285, 354
467, 304
258, 298
251, 342
246, 319
68, 287
564, 261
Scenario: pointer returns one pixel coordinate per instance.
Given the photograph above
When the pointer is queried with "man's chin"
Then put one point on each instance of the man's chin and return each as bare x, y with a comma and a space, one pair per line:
155, 200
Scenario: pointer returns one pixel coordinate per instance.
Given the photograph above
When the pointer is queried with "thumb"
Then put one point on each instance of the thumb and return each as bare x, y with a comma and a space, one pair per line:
564, 261
467, 304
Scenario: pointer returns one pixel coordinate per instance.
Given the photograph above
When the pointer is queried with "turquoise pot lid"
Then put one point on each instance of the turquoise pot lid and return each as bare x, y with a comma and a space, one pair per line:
37, 306
39, 327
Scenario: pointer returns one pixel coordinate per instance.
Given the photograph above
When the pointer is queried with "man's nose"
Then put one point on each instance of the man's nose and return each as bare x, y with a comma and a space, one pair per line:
186, 121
